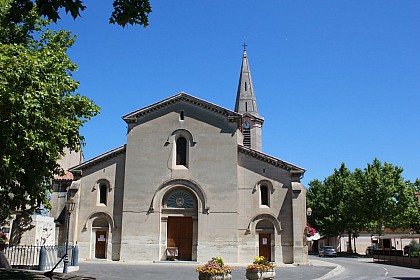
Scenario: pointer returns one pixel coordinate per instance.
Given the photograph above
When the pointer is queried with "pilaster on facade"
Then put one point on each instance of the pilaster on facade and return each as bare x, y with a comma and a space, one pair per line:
300, 249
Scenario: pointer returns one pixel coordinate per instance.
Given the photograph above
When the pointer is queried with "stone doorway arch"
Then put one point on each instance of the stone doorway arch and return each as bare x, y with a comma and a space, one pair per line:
266, 239
179, 222
267, 231
100, 225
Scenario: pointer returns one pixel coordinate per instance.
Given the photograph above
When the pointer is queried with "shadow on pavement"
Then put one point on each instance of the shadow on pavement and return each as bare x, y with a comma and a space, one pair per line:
18, 274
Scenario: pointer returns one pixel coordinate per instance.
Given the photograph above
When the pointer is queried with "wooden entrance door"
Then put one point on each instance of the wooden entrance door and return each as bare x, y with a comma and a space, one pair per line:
180, 234
100, 245
265, 245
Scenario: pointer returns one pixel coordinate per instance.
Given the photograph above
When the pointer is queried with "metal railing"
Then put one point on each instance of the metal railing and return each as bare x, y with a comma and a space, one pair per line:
24, 257
37, 257
396, 257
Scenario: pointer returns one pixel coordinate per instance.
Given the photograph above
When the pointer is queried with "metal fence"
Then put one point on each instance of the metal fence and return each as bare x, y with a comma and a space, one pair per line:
396, 257
29, 257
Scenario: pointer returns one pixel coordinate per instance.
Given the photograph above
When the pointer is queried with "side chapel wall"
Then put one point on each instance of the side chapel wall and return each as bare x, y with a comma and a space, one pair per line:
251, 171
110, 172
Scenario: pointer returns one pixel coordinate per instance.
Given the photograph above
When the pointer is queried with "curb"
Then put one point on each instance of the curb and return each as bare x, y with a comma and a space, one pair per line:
336, 271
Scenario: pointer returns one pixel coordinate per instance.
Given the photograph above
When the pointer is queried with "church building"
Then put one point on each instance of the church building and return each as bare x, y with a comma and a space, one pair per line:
191, 183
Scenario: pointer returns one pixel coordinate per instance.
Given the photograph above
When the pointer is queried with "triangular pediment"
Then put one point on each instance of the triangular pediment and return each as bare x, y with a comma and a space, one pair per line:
181, 97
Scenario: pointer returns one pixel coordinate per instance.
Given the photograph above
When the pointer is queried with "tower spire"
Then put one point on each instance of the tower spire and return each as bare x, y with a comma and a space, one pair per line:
246, 104
245, 97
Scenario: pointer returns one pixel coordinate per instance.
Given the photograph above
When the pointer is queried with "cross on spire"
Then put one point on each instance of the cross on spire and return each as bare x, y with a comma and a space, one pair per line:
244, 45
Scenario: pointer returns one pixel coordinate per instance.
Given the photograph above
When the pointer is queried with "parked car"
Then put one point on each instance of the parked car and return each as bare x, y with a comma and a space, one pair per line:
327, 251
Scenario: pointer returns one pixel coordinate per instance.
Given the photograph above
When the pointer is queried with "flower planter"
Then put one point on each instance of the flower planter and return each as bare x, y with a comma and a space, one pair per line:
207, 276
214, 269
260, 275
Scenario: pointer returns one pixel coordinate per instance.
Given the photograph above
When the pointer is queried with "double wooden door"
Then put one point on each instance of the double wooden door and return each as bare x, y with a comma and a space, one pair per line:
180, 234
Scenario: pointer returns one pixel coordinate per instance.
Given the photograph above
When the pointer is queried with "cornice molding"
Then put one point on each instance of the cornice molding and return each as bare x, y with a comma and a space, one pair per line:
133, 116
99, 159
271, 160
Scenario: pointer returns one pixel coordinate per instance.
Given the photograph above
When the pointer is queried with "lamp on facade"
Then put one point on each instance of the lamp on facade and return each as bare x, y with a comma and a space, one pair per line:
70, 204
309, 212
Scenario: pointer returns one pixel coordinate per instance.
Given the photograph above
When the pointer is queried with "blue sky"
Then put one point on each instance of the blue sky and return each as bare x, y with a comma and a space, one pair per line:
336, 81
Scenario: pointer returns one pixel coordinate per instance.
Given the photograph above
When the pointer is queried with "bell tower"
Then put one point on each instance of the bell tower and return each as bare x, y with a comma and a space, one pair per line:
246, 104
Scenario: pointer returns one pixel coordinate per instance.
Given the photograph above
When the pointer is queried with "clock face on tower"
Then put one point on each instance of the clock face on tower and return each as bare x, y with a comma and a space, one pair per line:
246, 125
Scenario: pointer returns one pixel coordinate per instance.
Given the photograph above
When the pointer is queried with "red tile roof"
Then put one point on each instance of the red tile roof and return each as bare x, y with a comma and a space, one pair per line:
68, 176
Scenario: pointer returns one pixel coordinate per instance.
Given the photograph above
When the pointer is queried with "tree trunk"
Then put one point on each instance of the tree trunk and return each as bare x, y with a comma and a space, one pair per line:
354, 245
349, 248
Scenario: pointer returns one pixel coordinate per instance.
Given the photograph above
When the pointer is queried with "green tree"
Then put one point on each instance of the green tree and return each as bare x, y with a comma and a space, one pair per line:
415, 220
125, 11
322, 200
391, 199
372, 199
336, 204
350, 215
40, 112
408, 207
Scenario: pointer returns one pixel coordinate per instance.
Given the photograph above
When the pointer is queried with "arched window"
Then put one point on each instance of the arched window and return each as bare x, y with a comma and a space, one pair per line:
181, 151
265, 199
103, 194
182, 141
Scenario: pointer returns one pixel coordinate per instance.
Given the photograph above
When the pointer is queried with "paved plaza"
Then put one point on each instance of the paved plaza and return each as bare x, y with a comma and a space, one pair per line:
108, 270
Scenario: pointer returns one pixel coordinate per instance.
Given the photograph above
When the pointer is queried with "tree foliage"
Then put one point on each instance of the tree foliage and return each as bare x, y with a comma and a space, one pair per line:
324, 208
369, 199
125, 11
415, 221
40, 112
392, 200
331, 201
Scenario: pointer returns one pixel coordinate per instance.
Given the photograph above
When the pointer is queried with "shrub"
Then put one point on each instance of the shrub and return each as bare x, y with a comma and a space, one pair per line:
414, 248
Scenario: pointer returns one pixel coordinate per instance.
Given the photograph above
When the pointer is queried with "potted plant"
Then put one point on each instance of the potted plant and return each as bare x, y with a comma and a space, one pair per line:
260, 269
214, 269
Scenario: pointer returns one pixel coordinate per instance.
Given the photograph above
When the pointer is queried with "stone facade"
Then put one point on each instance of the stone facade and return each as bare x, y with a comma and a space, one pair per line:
190, 178
35, 230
